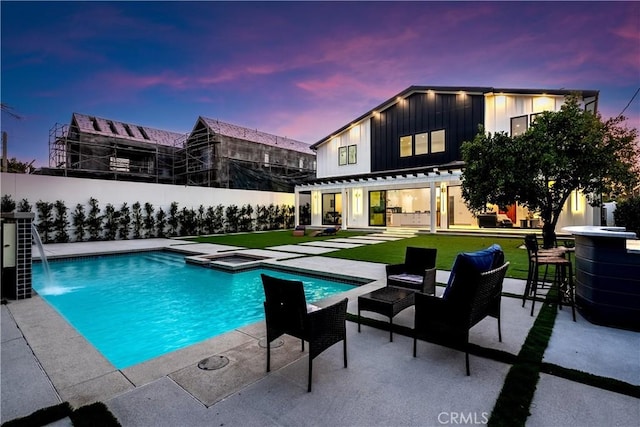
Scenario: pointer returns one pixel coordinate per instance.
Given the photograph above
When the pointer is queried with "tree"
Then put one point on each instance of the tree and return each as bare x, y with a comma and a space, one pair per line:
562, 151
79, 219
94, 220
61, 222
16, 166
45, 215
123, 218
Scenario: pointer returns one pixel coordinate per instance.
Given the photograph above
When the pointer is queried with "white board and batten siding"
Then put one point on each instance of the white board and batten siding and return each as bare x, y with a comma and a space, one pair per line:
500, 108
327, 153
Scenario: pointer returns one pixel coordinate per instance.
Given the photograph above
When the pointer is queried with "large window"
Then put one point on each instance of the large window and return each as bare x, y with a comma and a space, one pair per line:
406, 146
437, 141
353, 154
519, 125
422, 143
332, 208
347, 155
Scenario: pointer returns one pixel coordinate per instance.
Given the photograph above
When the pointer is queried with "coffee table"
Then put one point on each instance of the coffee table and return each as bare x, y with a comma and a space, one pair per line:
387, 301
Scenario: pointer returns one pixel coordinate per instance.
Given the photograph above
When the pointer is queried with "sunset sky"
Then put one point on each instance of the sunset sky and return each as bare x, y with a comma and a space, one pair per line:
295, 69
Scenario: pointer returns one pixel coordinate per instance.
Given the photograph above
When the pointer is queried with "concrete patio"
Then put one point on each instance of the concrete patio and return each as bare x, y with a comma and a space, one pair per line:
45, 362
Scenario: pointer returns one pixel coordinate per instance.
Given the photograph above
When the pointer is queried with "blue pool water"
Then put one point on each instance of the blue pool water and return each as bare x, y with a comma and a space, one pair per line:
135, 307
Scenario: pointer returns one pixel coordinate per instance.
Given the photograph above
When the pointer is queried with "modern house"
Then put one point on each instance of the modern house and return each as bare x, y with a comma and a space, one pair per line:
214, 154
399, 164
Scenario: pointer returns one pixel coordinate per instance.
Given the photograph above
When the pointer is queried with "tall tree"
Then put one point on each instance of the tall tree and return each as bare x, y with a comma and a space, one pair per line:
562, 151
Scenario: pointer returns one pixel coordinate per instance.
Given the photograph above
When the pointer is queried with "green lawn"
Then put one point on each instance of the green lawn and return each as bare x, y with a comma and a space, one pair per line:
389, 252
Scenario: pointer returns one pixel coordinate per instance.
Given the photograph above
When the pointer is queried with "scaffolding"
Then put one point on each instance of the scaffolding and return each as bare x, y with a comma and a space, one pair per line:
73, 153
205, 157
196, 160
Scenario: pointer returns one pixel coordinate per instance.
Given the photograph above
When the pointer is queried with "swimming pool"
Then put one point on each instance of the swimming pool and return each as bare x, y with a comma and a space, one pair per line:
139, 306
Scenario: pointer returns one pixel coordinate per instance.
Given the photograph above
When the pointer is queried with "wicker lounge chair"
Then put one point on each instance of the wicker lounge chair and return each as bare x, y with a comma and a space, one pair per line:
418, 271
287, 312
473, 293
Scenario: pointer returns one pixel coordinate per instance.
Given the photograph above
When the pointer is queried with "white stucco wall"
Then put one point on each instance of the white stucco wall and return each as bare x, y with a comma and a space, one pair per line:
79, 190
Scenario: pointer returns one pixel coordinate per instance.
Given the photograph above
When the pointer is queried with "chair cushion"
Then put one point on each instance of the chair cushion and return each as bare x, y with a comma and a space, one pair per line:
469, 264
406, 277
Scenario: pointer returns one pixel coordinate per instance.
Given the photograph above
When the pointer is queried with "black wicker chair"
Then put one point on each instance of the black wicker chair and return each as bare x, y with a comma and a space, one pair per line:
418, 271
286, 312
473, 295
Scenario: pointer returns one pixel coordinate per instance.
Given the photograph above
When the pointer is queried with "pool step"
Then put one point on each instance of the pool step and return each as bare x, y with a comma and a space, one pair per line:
165, 258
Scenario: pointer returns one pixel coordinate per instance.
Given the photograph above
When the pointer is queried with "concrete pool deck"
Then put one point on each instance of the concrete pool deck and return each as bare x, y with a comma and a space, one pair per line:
45, 362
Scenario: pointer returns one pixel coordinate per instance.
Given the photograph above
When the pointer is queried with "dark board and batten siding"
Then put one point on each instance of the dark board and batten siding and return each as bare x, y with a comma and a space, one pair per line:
458, 114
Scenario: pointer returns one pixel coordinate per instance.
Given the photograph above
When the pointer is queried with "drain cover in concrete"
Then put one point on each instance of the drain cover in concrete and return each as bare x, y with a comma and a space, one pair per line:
214, 362
274, 344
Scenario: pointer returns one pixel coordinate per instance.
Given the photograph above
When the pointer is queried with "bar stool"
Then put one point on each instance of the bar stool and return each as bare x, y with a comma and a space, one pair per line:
563, 276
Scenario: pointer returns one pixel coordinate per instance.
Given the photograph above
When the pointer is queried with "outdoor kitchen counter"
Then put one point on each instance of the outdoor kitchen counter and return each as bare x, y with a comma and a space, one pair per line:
607, 276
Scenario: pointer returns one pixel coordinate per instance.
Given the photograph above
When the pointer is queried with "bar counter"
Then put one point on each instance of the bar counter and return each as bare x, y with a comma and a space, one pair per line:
607, 276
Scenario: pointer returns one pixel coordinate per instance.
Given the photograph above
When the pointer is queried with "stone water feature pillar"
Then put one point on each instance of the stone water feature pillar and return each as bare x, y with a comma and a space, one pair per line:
16, 254
607, 276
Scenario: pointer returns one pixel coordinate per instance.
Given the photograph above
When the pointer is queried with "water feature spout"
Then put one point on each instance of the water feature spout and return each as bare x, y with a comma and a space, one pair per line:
43, 257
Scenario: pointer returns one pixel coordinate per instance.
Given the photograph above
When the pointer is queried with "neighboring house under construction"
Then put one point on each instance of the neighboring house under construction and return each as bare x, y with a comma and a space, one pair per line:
214, 154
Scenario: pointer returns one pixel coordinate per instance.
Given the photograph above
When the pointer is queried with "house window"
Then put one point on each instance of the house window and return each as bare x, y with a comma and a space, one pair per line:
518, 125
437, 141
266, 159
301, 163
533, 117
406, 146
342, 156
422, 143
353, 154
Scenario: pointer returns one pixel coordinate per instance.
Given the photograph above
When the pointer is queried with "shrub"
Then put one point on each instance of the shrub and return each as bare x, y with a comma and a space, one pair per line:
262, 218
45, 217
232, 218
627, 214
161, 223
245, 219
188, 223
24, 206
200, 219
173, 221
149, 220
110, 222
94, 220
136, 214
123, 218
61, 222
7, 204
79, 219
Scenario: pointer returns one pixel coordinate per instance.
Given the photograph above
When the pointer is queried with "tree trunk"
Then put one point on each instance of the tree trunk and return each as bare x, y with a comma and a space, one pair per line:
548, 235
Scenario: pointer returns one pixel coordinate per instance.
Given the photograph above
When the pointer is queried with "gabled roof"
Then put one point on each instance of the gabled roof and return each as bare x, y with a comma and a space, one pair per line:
477, 90
254, 135
106, 127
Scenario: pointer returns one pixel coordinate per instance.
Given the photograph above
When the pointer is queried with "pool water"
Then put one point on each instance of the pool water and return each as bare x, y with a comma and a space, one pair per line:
136, 307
